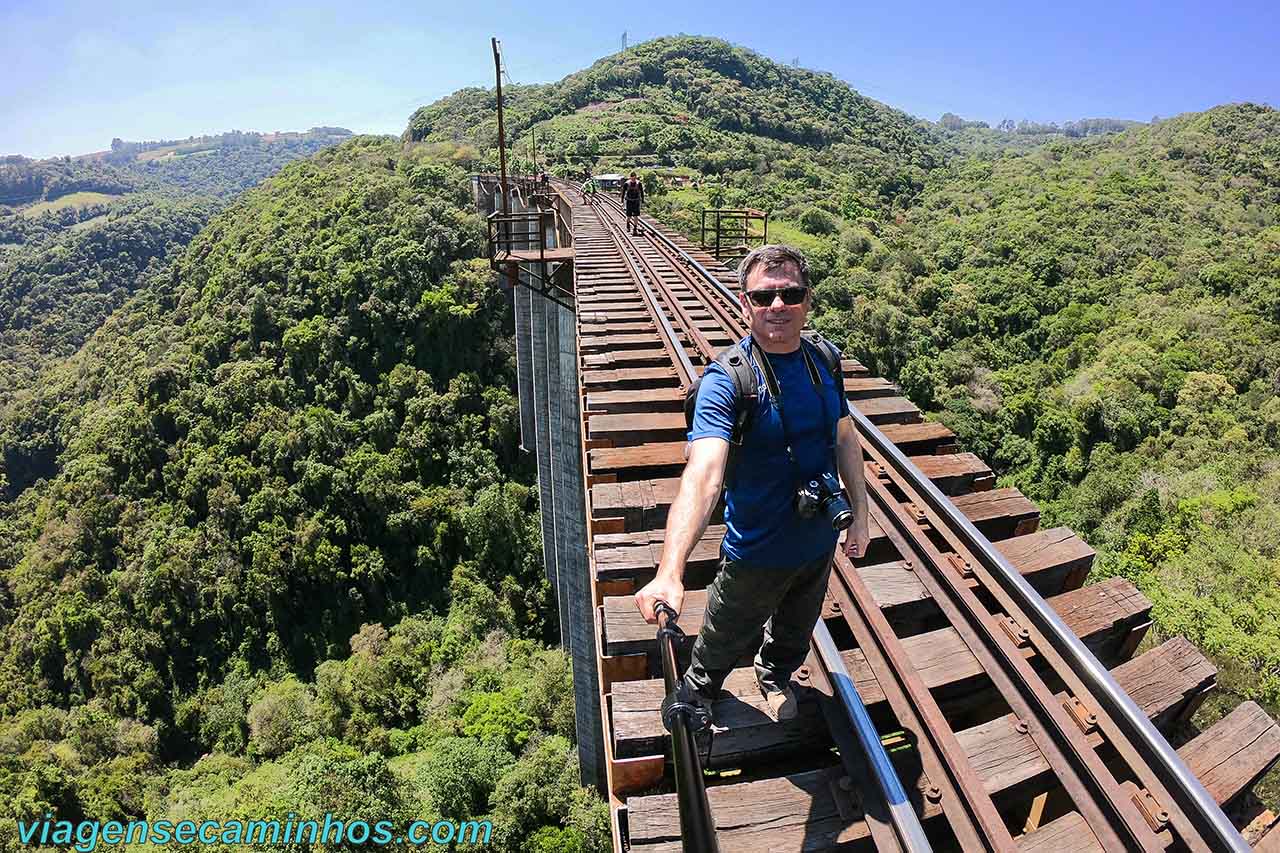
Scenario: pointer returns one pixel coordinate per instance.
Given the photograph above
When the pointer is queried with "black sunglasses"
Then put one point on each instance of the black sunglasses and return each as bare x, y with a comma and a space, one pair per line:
790, 295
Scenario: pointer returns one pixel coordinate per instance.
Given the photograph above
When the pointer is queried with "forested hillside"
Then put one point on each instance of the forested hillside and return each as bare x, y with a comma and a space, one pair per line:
719, 109
79, 235
1101, 320
267, 541
274, 450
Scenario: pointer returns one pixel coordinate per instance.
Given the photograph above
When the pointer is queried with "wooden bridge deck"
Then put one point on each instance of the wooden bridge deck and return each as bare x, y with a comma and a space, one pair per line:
779, 786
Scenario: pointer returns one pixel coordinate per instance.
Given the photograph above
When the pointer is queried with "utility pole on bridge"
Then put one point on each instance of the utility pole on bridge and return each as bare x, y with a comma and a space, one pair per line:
547, 383
502, 136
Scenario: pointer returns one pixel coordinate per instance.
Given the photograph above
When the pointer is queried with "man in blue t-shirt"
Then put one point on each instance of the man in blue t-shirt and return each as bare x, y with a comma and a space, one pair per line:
774, 564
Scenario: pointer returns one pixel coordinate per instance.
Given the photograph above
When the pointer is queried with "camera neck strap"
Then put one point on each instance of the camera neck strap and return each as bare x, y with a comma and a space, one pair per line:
775, 398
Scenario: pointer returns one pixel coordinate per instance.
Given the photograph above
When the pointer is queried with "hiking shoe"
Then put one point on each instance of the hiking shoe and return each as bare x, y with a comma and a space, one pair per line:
782, 703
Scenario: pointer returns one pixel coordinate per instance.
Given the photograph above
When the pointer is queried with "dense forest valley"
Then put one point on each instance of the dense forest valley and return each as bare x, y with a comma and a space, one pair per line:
269, 546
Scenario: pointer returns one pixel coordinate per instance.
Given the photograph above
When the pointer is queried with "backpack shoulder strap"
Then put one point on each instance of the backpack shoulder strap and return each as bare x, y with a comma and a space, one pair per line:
746, 390
746, 387
830, 355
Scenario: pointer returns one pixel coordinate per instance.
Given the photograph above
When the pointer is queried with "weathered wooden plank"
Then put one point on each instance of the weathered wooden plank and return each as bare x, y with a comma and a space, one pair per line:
640, 357
1180, 663
588, 317
795, 812
1228, 758
867, 387
1053, 547
639, 561
619, 327
920, 439
1000, 513
612, 306
648, 400
850, 367
956, 473
595, 343
657, 454
1233, 753
641, 504
889, 410
630, 377
636, 428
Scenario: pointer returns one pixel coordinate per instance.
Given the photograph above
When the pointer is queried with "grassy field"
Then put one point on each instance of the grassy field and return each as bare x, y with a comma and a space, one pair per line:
166, 153
83, 199
89, 223
781, 231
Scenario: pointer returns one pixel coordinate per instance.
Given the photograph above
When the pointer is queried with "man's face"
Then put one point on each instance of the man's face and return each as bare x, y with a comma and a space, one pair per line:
776, 327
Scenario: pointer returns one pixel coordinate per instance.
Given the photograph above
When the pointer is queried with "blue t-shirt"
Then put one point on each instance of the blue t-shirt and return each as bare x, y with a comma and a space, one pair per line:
762, 528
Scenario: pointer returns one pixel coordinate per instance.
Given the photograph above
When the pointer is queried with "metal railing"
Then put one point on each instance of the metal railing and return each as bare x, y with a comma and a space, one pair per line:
507, 233
731, 232
521, 239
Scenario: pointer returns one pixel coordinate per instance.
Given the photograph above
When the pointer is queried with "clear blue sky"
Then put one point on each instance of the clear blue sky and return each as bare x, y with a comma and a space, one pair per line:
78, 73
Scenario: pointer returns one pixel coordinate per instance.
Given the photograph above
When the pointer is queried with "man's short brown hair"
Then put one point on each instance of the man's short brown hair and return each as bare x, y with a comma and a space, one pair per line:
772, 257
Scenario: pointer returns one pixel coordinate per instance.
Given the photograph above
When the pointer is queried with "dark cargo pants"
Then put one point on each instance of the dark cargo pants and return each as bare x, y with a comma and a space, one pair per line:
741, 599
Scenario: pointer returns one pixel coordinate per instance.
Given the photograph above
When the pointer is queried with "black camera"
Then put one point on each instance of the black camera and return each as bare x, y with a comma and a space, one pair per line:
824, 496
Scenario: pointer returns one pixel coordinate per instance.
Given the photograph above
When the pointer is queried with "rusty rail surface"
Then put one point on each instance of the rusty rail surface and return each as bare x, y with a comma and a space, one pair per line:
1007, 739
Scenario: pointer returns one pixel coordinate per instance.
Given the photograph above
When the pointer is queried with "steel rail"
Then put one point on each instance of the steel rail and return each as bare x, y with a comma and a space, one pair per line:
1008, 671
729, 320
958, 789
724, 306
1181, 782
906, 823
670, 340
1118, 797
698, 339
1139, 767
691, 261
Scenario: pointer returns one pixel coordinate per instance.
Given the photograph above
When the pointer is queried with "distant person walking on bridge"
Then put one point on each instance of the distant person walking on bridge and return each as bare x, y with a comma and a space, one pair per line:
784, 507
589, 190
632, 197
